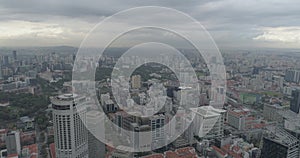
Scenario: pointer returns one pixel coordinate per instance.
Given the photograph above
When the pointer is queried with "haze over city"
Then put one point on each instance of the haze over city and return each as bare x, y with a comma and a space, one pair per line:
149, 79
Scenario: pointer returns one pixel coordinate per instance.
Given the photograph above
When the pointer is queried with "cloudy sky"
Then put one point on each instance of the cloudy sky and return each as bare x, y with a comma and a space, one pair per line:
232, 23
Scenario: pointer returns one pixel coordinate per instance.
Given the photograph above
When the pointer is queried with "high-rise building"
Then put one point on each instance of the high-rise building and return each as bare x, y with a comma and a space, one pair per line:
291, 122
69, 116
292, 75
1, 77
13, 144
141, 137
95, 124
279, 143
218, 129
208, 122
5, 60
278, 81
136, 81
157, 123
15, 55
295, 101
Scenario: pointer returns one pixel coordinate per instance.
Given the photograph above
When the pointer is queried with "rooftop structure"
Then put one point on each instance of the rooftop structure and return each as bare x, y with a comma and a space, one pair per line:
280, 143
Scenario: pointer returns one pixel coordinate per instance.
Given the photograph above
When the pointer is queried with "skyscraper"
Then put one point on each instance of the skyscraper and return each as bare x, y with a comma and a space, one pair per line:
157, 123
5, 60
15, 55
292, 75
295, 101
71, 136
1, 77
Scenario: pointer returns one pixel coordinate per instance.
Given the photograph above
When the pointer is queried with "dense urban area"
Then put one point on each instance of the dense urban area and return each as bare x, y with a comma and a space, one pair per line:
259, 117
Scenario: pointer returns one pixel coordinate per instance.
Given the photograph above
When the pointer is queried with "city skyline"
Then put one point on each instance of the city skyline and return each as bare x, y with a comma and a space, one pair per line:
150, 79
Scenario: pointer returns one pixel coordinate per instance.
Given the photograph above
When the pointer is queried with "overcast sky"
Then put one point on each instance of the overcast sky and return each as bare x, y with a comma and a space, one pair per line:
232, 23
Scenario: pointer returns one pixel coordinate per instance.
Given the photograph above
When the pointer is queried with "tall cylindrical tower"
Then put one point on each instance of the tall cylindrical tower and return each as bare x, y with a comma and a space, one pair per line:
69, 117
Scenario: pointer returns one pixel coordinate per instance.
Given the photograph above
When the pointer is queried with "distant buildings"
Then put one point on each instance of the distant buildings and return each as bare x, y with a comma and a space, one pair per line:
5, 60
292, 75
15, 55
287, 90
236, 148
136, 81
1, 76
107, 104
71, 136
186, 152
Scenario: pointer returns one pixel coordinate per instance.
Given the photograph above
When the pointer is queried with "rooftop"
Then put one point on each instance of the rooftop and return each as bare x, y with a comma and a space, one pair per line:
281, 136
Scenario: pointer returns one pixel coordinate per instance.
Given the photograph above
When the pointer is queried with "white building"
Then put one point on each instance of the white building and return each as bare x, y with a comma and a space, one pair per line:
157, 123
70, 134
208, 122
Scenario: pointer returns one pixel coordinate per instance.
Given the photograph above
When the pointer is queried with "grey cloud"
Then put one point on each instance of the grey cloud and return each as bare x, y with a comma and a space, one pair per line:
229, 21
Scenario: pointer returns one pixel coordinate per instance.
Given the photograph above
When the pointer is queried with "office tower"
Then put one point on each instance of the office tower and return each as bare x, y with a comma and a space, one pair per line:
292, 75
157, 123
96, 127
1, 77
12, 141
295, 101
70, 134
136, 81
279, 143
5, 60
15, 55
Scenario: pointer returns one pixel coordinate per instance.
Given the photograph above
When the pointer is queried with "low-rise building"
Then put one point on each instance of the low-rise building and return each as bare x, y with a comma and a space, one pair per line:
272, 112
